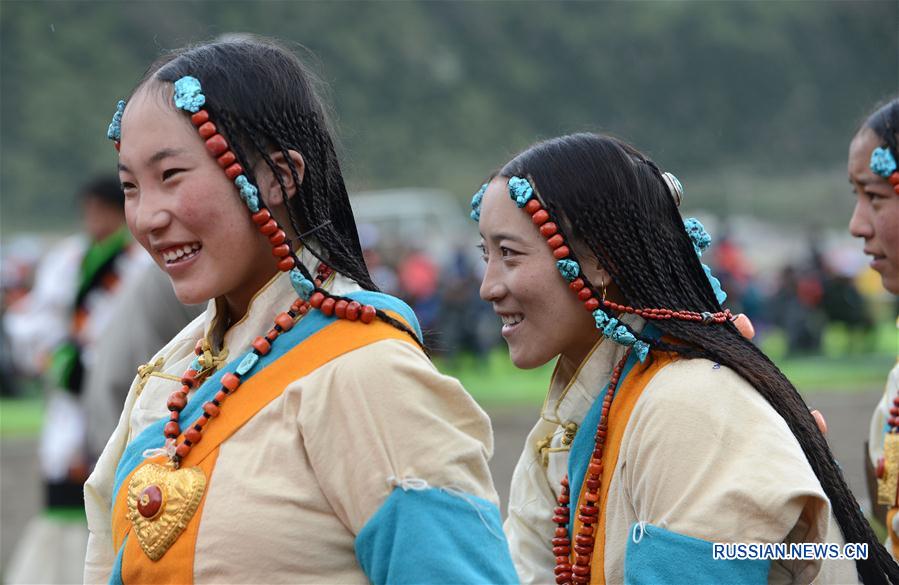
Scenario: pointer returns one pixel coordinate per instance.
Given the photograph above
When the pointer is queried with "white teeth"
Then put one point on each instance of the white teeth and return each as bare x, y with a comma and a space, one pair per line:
175, 254
511, 319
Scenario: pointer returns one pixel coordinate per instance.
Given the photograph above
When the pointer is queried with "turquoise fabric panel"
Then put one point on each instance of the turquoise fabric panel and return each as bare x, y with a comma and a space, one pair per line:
656, 556
432, 537
115, 578
152, 437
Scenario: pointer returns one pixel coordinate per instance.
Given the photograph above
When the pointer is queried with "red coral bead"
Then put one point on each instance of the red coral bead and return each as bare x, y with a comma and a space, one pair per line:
211, 409
368, 314
540, 217
262, 345
207, 130
340, 309
277, 238
353, 310
182, 450
532, 206
231, 381
316, 300
286, 263
227, 159
555, 241
234, 171
328, 306
261, 217
269, 227
220, 396
561, 252
284, 321
171, 429
177, 401
576, 284
199, 118
584, 294
894, 178
548, 229
591, 304
217, 145
193, 435
281, 251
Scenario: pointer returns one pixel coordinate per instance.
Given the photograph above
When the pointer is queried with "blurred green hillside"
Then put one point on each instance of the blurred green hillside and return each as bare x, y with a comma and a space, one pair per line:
750, 103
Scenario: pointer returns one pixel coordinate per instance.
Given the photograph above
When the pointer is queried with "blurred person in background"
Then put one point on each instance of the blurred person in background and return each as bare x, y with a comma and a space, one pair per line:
54, 332
147, 303
874, 177
665, 429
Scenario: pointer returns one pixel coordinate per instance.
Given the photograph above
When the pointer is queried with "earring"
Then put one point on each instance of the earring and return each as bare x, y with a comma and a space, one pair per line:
602, 286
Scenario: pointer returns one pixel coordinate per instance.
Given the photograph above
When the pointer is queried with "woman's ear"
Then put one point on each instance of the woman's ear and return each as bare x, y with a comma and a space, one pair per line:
269, 185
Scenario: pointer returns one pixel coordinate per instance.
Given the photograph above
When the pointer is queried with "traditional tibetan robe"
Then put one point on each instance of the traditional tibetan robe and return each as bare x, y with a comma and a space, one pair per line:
693, 456
343, 457
888, 483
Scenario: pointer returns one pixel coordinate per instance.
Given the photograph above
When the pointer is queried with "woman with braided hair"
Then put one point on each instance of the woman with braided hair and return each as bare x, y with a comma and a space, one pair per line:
296, 431
874, 178
666, 433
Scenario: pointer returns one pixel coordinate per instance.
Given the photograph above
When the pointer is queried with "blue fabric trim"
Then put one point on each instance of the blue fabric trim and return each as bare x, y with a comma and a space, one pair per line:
582, 445
432, 536
152, 437
388, 303
662, 556
115, 578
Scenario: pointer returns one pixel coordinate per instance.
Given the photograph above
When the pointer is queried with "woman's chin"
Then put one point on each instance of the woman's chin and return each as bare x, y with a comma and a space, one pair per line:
527, 361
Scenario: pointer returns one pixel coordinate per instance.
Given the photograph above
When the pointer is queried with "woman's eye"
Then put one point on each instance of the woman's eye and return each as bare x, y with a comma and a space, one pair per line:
483, 250
506, 252
169, 173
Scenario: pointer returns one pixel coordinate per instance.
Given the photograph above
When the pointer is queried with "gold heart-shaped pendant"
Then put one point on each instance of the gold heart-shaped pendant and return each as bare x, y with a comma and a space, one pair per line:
161, 501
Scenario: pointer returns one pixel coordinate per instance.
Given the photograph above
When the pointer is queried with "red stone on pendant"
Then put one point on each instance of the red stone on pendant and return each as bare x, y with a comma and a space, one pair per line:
352, 310
149, 503
532, 206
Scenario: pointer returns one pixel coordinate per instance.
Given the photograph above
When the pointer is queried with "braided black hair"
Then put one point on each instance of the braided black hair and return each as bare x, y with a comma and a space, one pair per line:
615, 200
885, 123
264, 99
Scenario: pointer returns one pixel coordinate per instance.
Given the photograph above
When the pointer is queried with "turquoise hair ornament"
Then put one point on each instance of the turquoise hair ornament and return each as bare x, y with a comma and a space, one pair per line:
641, 348
569, 269
700, 238
248, 193
701, 241
623, 336
600, 317
115, 127
520, 190
882, 162
302, 285
476, 203
188, 94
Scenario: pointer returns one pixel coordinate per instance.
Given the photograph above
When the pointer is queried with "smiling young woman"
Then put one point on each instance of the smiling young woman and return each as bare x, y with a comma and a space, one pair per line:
665, 429
296, 431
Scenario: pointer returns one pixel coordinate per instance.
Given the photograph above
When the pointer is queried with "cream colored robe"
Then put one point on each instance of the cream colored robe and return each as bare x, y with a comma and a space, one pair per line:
292, 488
703, 455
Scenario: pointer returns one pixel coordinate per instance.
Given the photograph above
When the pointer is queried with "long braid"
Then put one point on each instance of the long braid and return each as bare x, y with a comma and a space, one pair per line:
233, 127
631, 224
